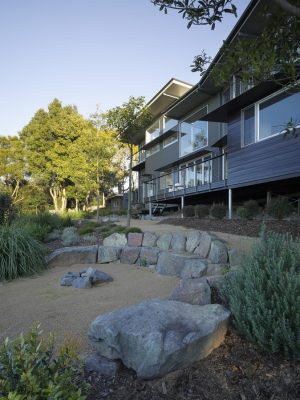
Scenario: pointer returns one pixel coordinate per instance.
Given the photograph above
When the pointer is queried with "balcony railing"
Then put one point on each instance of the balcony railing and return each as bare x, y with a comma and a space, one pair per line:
139, 157
194, 178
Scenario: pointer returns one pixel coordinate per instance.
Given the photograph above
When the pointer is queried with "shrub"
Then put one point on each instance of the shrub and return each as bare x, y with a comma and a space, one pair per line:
6, 209
188, 211
88, 228
30, 370
20, 253
249, 210
54, 235
201, 210
79, 215
132, 229
263, 295
218, 211
279, 207
70, 236
89, 239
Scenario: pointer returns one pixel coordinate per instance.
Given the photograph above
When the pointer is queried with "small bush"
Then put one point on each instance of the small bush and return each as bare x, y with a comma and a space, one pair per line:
6, 209
30, 370
217, 211
132, 229
89, 239
79, 215
20, 253
54, 235
188, 211
279, 207
201, 211
70, 236
88, 228
249, 210
263, 295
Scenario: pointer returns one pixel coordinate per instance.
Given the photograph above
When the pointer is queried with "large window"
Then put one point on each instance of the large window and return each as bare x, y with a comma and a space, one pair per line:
193, 132
270, 116
152, 150
153, 131
170, 140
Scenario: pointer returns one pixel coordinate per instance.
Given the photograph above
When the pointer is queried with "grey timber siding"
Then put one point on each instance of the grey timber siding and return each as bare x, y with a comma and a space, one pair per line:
163, 157
270, 159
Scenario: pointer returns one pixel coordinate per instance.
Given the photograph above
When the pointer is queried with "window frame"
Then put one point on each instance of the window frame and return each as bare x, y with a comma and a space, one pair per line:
169, 144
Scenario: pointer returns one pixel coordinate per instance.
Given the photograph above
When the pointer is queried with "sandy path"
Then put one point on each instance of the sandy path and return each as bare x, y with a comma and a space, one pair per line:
69, 311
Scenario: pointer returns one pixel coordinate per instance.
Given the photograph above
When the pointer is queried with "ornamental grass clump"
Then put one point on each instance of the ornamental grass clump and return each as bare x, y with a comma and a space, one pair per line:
279, 207
29, 369
70, 236
248, 210
20, 253
263, 295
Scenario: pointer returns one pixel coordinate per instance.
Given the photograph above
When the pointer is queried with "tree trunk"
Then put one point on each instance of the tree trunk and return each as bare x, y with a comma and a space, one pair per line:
98, 203
129, 188
76, 204
64, 200
54, 195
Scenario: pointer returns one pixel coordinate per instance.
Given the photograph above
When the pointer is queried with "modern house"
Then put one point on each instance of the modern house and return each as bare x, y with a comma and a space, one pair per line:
220, 144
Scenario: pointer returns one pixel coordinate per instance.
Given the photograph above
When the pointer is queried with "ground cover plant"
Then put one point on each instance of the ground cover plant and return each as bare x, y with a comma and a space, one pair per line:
218, 211
188, 211
20, 253
201, 211
31, 370
248, 210
263, 295
279, 207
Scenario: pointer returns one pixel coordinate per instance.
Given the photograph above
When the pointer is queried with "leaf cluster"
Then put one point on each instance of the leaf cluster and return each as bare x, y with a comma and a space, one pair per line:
29, 369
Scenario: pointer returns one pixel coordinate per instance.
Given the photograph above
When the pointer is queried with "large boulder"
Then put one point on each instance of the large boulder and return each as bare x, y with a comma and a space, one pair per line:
73, 255
135, 239
192, 291
129, 255
159, 336
96, 276
101, 365
164, 241
68, 278
107, 254
82, 283
149, 254
193, 241
204, 246
169, 263
218, 253
193, 268
115, 239
178, 242
149, 239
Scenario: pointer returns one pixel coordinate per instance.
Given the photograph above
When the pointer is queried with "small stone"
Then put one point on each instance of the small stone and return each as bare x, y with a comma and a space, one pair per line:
68, 278
135, 239
178, 242
82, 283
96, 276
218, 253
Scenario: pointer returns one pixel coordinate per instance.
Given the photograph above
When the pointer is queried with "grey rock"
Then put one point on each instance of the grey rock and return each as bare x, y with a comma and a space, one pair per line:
107, 254
134, 239
115, 239
164, 241
73, 255
235, 257
149, 239
204, 245
159, 336
218, 253
214, 269
101, 365
193, 268
169, 263
96, 276
193, 241
68, 278
150, 254
82, 283
192, 291
178, 242
216, 281
129, 255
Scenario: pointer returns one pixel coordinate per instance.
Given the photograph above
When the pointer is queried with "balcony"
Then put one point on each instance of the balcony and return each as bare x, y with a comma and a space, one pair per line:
139, 158
195, 177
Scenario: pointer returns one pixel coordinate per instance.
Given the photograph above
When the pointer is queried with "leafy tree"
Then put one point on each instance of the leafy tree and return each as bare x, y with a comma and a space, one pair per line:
128, 120
12, 166
49, 142
273, 55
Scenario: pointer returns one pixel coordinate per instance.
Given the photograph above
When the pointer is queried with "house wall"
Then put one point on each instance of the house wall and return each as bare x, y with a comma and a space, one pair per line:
274, 158
163, 157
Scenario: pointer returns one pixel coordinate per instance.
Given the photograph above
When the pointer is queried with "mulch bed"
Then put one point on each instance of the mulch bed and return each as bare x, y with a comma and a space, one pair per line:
237, 226
237, 370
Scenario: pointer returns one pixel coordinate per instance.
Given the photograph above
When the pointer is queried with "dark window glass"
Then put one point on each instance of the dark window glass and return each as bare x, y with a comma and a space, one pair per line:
275, 113
249, 125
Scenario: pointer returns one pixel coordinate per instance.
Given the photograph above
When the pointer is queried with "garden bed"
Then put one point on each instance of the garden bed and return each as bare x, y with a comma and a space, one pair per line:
236, 226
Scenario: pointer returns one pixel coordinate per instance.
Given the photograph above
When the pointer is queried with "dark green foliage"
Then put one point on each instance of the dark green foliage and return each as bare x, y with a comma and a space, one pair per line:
249, 210
279, 207
132, 229
218, 211
88, 228
188, 211
30, 370
20, 253
80, 215
201, 211
6, 208
263, 295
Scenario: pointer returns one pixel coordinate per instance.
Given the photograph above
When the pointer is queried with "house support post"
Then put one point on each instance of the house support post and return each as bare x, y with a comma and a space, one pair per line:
298, 204
150, 208
182, 205
229, 203
269, 197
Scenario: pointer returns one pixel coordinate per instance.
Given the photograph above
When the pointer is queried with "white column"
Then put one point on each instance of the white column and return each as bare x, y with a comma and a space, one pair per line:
182, 205
269, 197
229, 203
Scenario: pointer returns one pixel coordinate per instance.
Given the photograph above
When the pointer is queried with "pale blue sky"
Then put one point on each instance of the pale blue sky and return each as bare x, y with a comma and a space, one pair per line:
89, 52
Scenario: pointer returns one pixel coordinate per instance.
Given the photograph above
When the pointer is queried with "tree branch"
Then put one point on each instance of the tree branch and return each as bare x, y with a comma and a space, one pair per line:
287, 6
